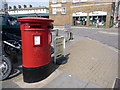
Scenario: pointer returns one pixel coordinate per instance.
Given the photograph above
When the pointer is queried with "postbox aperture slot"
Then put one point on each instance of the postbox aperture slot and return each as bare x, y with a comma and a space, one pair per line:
35, 26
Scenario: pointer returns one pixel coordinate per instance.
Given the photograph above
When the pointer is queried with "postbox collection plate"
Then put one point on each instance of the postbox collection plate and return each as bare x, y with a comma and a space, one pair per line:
36, 40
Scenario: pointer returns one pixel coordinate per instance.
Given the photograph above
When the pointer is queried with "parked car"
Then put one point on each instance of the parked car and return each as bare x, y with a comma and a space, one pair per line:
11, 38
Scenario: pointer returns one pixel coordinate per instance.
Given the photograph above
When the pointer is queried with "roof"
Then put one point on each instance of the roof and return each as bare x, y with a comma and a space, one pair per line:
30, 15
32, 8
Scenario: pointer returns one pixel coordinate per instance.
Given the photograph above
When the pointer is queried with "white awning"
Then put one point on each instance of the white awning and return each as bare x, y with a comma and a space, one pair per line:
79, 14
95, 13
98, 13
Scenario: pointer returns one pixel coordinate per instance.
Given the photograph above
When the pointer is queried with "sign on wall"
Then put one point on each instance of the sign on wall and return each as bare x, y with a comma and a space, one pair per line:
67, 27
56, 5
79, 14
97, 13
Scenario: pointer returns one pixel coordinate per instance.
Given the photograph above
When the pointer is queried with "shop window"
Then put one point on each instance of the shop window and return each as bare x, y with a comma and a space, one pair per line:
81, 21
63, 1
54, 11
54, 1
63, 10
76, 1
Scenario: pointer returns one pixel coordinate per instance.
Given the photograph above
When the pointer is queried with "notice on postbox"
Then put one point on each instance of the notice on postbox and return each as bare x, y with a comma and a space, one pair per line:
59, 47
36, 40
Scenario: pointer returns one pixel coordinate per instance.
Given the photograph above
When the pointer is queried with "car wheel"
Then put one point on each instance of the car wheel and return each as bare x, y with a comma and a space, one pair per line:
5, 67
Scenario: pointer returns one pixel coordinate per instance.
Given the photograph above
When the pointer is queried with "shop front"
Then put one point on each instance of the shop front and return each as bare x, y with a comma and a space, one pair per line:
79, 19
96, 19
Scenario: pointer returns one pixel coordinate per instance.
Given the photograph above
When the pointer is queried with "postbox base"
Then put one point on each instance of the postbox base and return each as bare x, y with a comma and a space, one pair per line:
31, 75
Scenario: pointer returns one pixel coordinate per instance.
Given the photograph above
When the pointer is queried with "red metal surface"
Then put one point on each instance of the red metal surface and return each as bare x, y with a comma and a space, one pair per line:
35, 55
34, 19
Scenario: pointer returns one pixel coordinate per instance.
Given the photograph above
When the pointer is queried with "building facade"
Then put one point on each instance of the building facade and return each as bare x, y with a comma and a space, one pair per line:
28, 11
81, 13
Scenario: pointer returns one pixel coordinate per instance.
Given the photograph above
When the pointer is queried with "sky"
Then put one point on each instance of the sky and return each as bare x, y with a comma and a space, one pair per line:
34, 3
0, 4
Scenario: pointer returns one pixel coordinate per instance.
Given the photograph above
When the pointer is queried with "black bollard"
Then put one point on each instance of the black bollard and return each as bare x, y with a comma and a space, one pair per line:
71, 36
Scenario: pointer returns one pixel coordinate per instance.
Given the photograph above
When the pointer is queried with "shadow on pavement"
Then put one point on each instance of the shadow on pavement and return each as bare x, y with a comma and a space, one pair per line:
60, 61
17, 65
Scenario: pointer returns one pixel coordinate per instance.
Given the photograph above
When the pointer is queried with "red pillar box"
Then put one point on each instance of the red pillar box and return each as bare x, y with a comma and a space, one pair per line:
36, 53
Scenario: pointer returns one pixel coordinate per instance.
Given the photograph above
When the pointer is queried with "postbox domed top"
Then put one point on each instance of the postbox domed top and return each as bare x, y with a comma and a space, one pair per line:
34, 19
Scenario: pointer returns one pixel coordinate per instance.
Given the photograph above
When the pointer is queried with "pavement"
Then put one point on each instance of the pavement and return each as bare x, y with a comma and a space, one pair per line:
91, 64
93, 61
62, 28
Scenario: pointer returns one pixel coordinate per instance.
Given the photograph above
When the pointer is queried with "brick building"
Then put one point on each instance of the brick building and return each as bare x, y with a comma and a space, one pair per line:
81, 13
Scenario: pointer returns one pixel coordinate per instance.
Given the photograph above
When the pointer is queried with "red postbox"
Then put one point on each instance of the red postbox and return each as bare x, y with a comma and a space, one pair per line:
36, 52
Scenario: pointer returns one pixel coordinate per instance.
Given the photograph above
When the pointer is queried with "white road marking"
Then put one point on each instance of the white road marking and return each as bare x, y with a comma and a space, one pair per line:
108, 32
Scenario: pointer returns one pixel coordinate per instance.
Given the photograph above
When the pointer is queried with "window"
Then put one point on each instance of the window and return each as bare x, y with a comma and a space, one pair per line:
83, 0
14, 7
19, 6
76, 1
63, 1
54, 1
63, 10
10, 7
54, 11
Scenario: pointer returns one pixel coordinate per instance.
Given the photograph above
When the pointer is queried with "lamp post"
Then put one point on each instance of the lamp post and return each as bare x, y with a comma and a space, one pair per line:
116, 10
5, 7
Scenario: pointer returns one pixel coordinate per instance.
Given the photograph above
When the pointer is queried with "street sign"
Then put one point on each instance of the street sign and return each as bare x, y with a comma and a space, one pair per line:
67, 27
67, 30
59, 47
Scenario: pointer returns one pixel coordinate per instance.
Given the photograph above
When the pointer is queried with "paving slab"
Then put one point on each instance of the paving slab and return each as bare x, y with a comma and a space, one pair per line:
17, 82
65, 80
93, 61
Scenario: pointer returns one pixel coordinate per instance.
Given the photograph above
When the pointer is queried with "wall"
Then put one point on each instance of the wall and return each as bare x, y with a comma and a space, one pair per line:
67, 18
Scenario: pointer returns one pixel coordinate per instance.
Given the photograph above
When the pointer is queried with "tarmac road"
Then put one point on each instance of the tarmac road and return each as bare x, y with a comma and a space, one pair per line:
105, 36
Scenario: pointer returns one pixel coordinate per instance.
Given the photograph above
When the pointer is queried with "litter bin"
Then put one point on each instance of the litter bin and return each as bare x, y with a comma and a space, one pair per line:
36, 52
